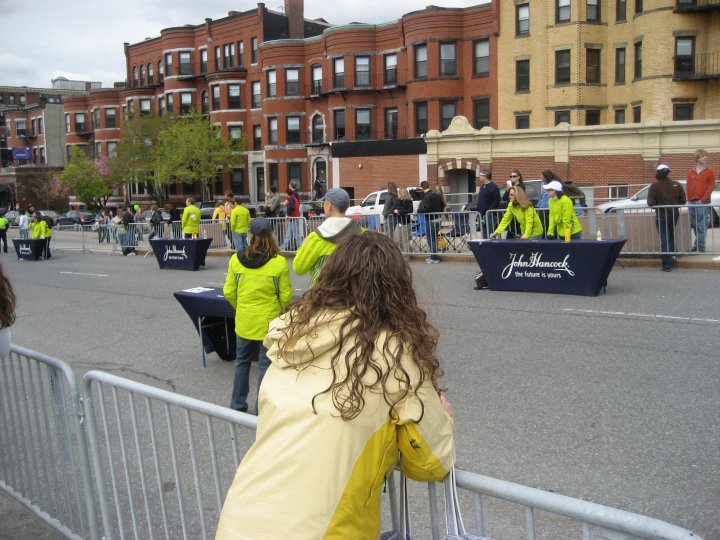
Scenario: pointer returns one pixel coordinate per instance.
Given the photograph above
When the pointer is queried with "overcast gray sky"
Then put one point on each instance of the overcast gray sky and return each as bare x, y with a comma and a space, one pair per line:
83, 39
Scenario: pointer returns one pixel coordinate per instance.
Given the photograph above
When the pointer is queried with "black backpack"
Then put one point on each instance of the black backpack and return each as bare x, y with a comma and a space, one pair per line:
480, 281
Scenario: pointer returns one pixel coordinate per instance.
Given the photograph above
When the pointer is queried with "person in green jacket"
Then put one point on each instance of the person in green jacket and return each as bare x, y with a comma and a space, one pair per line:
320, 244
190, 219
4, 226
258, 288
40, 229
563, 220
239, 222
520, 208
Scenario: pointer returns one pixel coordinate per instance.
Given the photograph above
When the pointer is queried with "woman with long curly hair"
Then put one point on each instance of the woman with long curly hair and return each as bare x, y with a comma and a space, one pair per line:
352, 385
7, 313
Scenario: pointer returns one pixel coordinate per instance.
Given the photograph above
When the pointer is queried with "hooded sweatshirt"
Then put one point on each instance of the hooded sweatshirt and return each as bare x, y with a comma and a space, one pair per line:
320, 244
311, 474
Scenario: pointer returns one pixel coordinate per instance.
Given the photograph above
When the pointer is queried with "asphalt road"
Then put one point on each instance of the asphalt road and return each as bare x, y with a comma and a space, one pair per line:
614, 399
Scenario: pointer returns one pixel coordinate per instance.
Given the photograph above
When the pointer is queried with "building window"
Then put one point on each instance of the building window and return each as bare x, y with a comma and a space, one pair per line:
481, 113
185, 63
144, 107
98, 150
170, 100
592, 117
362, 71
522, 76
130, 107
273, 173
161, 71
292, 134
562, 67
110, 119
241, 53
95, 120
272, 130
79, 123
390, 75
420, 52
41, 129
233, 92
339, 118
562, 116
592, 66
257, 137
391, 123
685, 55
620, 65
562, 11
421, 118
522, 121
67, 123
683, 111
203, 60
235, 133
253, 50
272, 83
448, 110
42, 154
21, 127
316, 80
237, 181
295, 174
363, 126
142, 75
448, 55
185, 102
593, 10
292, 82
205, 103
150, 74
638, 6
339, 73
215, 98
161, 106
228, 55
218, 56
168, 64
621, 10
318, 129
134, 76
637, 114
638, 60
11, 99
522, 19
256, 94
619, 116
481, 57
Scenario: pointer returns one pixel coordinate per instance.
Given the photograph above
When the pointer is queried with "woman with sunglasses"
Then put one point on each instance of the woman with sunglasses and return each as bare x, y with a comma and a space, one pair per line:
521, 210
516, 180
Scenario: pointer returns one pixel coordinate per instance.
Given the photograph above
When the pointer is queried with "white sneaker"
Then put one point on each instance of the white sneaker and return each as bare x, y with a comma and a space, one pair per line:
432, 261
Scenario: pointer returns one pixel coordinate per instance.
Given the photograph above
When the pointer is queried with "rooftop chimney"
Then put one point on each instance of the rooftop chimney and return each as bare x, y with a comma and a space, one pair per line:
296, 19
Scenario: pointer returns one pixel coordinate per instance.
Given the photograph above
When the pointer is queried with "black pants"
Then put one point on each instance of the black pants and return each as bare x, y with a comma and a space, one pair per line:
3, 239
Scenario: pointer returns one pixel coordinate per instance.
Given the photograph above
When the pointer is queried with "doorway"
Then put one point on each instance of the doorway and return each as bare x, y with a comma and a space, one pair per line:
462, 186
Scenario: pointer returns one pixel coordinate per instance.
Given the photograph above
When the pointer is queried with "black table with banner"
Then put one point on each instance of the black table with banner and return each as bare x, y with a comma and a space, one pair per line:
180, 253
30, 249
577, 267
214, 318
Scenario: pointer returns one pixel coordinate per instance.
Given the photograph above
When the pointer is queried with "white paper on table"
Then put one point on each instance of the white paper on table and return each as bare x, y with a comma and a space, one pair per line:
197, 290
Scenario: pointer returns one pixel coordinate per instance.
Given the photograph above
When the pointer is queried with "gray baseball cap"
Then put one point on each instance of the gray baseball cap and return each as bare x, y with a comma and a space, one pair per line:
337, 197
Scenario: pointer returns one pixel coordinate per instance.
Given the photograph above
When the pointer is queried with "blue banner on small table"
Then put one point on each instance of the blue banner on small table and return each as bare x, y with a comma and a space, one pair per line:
577, 267
180, 253
30, 249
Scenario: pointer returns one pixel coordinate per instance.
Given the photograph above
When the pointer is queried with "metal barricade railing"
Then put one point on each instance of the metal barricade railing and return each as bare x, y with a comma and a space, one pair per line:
121, 459
44, 462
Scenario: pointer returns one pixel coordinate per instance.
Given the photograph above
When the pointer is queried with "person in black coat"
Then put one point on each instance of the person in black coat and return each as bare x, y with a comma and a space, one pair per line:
431, 206
488, 199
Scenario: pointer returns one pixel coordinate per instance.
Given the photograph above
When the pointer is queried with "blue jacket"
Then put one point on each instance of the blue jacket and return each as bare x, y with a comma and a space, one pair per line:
488, 198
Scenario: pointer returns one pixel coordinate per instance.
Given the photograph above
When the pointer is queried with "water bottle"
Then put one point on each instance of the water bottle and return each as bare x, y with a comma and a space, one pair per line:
599, 235
204, 233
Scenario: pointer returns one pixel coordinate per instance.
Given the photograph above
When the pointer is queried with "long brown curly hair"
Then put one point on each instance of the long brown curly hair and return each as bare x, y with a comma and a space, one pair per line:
367, 277
7, 301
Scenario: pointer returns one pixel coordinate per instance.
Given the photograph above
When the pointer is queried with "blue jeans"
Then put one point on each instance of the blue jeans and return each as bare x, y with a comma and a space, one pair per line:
247, 350
25, 233
698, 221
239, 241
665, 223
432, 228
292, 236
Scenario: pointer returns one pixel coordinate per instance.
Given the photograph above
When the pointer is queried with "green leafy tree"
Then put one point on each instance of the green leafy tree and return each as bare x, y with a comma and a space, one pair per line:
193, 150
84, 179
133, 159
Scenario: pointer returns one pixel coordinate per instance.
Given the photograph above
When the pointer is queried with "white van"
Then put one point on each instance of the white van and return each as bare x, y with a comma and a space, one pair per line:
373, 204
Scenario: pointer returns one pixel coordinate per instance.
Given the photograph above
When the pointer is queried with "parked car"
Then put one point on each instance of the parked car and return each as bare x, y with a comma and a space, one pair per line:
76, 217
639, 200
207, 208
312, 208
13, 217
52, 214
373, 204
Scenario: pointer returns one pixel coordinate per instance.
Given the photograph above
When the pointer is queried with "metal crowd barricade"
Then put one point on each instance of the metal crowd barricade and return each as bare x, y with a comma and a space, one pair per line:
121, 459
44, 462
443, 233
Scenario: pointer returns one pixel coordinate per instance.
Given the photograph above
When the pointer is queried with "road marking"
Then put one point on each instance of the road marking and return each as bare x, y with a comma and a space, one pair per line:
642, 315
84, 274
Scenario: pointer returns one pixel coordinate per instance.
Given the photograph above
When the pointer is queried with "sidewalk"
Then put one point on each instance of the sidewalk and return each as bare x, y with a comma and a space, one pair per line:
19, 523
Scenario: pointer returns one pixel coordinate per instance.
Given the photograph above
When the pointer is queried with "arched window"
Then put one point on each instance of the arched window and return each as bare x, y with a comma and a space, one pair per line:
205, 103
150, 74
161, 71
142, 75
318, 129
135, 76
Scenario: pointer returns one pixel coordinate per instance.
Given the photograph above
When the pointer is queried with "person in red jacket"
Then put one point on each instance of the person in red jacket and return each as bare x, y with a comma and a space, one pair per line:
700, 184
293, 237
